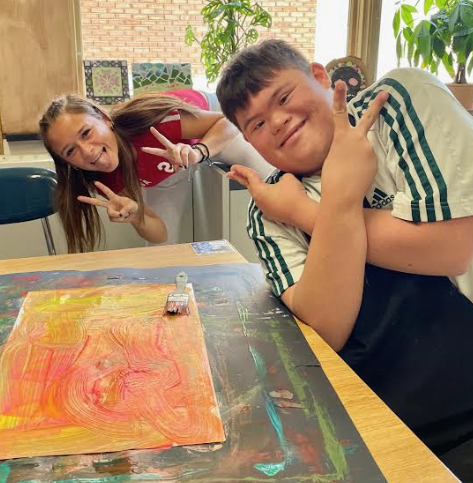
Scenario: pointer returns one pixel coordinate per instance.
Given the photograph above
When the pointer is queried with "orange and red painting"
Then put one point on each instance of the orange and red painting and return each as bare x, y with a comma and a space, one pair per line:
103, 369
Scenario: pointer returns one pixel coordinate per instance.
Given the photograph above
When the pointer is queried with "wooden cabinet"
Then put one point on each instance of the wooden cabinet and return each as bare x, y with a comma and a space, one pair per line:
40, 57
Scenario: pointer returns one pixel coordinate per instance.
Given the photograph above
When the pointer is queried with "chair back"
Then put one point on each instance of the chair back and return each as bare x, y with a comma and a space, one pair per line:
26, 194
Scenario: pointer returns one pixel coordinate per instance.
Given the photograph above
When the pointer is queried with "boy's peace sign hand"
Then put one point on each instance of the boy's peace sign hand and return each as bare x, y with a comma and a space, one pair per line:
351, 163
271, 199
179, 155
120, 209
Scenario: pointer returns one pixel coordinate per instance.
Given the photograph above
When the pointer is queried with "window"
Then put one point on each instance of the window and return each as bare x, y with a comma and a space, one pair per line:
331, 30
387, 58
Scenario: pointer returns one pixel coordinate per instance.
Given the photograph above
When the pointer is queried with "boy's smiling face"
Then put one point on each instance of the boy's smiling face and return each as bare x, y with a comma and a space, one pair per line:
290, 122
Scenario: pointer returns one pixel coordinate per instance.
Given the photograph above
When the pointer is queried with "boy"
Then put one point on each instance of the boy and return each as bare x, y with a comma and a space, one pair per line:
411, 333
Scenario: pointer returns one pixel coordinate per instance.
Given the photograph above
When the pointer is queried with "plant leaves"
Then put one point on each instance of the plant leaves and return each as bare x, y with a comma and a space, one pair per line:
406, 13
438, 46
458, 46
396, 22
434, 65
427, 6
466, 14
399, 50
416, 57
470, 65
447, 61
230, 26
407, 33
410, 52
251, 36
463, 32
189, 37
411, 8
454, 18
469, 46
425, 48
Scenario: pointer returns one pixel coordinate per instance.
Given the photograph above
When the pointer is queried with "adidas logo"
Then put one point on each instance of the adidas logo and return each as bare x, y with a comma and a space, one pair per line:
381, 199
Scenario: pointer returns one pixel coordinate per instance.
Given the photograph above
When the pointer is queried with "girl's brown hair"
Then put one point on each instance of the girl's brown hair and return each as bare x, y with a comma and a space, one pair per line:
81, 222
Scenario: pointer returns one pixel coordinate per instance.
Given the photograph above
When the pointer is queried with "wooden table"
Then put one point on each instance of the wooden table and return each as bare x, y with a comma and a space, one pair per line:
401, 456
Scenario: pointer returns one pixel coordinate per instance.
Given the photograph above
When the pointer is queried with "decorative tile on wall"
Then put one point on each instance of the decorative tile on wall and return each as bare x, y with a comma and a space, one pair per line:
106, 81
157, 77
350, 70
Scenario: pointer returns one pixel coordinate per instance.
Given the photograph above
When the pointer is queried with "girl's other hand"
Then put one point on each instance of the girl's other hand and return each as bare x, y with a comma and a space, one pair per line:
120, 209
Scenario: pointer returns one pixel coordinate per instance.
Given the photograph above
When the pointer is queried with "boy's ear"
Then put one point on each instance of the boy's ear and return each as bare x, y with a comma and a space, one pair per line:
320, 75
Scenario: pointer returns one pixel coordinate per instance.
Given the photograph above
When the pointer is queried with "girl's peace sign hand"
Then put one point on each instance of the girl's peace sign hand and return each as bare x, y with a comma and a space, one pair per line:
120, 209
179, 155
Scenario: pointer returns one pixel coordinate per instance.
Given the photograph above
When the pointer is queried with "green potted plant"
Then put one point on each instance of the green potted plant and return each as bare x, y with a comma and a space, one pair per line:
434, 32
231, 25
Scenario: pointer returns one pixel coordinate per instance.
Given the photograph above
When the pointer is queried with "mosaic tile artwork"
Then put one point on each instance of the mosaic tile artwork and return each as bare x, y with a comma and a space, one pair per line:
158, 77
106, 81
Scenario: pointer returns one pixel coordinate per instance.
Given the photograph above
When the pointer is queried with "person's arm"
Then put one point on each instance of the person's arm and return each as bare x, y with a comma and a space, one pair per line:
435, 248
328, 295
442, 248
151, 227
215, 135
122, 209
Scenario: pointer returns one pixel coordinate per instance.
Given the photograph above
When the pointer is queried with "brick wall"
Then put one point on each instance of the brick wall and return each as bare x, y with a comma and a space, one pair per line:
153, 30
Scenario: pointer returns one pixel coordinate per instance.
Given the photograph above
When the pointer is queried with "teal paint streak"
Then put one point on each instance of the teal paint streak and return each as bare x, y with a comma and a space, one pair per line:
270, 469
4, 472
313, 410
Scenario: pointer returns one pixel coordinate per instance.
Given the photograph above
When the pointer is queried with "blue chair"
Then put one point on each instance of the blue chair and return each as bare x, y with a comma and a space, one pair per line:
27, 194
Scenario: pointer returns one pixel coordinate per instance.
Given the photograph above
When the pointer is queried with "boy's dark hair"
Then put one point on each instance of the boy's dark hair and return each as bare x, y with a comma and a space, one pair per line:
252, 69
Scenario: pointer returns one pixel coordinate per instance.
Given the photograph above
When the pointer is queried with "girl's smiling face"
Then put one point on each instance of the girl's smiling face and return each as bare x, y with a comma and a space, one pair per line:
84, 141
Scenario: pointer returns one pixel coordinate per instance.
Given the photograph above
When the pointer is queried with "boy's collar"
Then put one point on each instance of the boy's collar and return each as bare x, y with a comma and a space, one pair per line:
299, 177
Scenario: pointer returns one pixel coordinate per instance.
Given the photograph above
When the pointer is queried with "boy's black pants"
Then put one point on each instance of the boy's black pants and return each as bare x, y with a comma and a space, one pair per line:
413, 345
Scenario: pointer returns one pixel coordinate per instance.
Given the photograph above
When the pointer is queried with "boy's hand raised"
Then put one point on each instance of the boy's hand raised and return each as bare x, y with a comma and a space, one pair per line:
271, 199
120, 209
351, 163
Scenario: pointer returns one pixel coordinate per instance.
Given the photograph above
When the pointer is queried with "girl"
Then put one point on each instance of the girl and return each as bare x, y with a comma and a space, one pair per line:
93, 150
